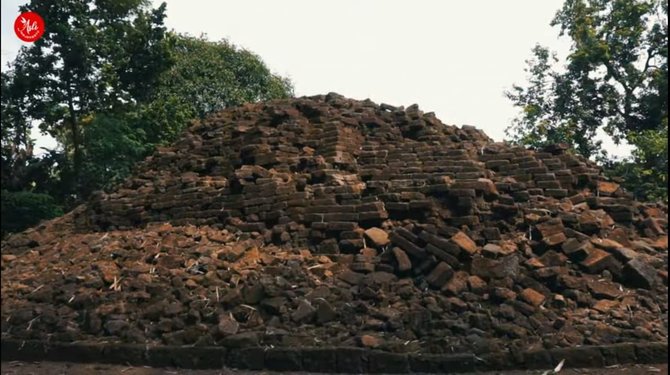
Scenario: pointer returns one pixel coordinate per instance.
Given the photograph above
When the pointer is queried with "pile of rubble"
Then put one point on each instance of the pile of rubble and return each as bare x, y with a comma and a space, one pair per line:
326, 221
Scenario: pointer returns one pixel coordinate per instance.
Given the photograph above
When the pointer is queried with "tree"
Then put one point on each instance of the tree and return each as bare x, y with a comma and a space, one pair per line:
615, 80
113, 144
17, 147
95, 55
24, 178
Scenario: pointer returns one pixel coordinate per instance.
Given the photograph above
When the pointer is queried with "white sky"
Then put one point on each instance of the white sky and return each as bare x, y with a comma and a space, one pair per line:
454, 58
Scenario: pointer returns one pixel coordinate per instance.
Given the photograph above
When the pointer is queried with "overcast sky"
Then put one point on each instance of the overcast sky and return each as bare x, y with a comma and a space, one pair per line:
454, 58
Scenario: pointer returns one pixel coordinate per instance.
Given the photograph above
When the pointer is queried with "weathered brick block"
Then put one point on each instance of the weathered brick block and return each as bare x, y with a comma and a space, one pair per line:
440, 275
407, 245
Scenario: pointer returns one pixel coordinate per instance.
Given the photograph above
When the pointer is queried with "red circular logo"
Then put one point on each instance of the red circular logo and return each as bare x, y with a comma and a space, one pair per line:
29, 26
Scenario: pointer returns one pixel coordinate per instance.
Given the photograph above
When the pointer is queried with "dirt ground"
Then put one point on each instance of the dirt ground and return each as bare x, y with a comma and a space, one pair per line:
66, 368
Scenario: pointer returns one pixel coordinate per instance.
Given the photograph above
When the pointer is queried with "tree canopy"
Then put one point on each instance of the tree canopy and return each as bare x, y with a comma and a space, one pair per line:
614, 80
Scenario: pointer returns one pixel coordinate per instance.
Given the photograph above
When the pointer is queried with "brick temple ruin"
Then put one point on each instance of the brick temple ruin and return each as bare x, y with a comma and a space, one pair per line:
330, 222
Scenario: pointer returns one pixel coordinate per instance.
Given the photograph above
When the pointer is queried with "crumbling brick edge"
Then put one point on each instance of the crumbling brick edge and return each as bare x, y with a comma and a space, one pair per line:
338, 359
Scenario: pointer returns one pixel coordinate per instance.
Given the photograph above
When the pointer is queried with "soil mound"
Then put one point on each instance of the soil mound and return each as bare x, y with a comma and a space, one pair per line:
326, 221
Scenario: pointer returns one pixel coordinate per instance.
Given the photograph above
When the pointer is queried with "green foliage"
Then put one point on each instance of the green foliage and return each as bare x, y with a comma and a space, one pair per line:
646, 173
206, 77
112, 146
16, 146
540, 124
615, 80
21, 210
95, 56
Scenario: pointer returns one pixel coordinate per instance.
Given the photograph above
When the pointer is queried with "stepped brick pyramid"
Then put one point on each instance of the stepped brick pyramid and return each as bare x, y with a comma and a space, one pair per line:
326, 221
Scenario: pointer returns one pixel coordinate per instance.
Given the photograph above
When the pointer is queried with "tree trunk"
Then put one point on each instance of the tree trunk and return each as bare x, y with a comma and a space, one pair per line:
76, 147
